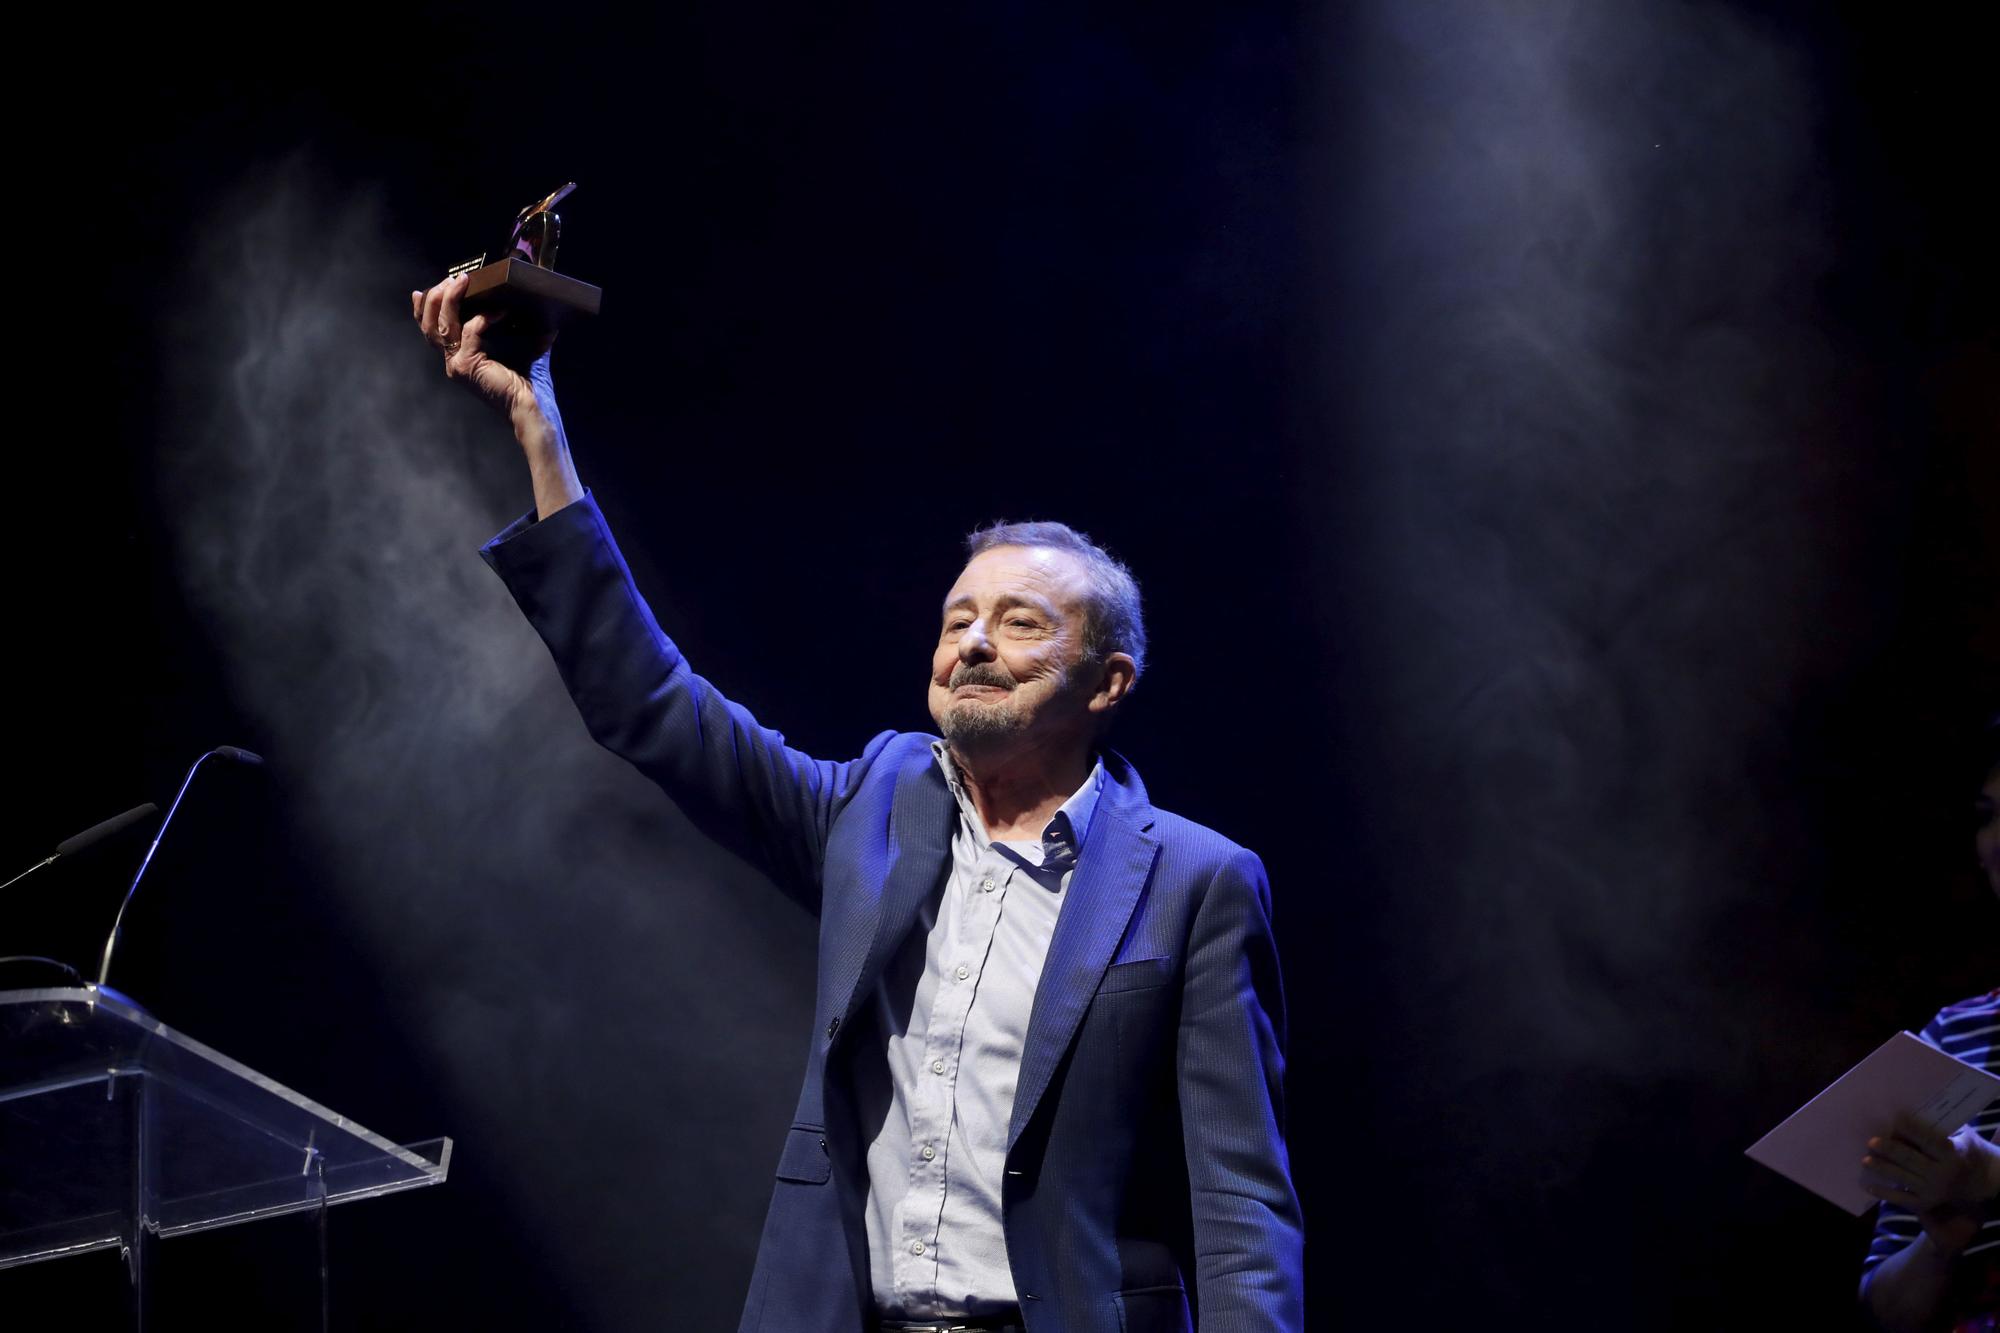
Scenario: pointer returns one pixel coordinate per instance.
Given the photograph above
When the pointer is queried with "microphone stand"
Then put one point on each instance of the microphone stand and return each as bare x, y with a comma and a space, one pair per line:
111, 940
48, 860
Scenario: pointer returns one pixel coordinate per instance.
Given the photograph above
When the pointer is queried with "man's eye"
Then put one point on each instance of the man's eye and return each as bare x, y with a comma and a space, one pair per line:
1021, 623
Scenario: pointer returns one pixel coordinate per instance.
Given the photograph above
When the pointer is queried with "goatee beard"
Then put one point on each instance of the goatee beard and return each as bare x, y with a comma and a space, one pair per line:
971, 724
974, 726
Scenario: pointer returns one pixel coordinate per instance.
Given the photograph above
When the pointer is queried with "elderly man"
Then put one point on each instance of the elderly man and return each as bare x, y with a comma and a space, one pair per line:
1045, 1089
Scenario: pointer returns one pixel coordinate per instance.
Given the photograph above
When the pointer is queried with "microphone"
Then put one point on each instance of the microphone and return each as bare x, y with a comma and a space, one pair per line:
229, 752
90, 837
98, 832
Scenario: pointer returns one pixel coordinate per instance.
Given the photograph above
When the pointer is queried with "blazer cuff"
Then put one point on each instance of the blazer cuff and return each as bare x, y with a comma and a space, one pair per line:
527, 545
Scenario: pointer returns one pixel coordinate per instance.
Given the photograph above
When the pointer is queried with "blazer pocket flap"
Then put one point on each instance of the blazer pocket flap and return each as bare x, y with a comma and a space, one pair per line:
805, 1159
1152, 1310
1137, 975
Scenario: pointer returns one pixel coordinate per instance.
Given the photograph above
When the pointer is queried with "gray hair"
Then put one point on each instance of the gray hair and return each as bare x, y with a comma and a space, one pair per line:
1112, 619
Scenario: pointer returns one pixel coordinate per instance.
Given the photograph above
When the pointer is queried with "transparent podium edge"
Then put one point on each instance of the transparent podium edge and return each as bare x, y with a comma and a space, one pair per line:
429, 1160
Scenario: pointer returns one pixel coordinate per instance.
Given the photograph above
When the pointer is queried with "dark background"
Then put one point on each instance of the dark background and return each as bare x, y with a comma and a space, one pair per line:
1557, 443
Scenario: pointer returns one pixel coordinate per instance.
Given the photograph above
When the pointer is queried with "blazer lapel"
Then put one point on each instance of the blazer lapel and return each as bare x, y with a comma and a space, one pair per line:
920, 828
1111, 874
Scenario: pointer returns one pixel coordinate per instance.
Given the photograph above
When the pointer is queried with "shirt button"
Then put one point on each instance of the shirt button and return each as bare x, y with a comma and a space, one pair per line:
963, 971
929, 1152
986, 886
937, 1066
916, 1247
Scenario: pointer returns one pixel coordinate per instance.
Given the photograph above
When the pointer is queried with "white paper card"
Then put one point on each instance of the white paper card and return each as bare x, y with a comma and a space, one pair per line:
1820, 1145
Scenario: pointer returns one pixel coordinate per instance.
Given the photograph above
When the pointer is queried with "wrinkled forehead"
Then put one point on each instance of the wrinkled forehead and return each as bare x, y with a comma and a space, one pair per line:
1038, 574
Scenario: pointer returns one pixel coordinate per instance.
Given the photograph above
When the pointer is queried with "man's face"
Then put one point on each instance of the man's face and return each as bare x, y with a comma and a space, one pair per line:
1988, 841
1005, 674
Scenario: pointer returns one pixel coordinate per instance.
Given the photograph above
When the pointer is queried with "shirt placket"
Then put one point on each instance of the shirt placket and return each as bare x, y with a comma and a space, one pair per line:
960, 964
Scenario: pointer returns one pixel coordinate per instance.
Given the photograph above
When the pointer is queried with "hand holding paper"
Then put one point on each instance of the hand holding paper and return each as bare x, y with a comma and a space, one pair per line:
1947, 1181
1821, 1145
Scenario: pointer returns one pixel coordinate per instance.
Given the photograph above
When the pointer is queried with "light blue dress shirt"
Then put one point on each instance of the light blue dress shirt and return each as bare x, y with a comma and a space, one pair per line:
955, 1006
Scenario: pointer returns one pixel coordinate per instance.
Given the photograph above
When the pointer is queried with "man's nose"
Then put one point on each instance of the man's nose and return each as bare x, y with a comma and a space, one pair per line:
973, 645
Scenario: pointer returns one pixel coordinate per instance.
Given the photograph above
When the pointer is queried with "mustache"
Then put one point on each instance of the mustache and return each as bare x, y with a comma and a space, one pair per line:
981, 673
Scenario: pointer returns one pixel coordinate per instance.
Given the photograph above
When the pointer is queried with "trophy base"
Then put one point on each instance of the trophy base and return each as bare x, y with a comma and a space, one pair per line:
515, 284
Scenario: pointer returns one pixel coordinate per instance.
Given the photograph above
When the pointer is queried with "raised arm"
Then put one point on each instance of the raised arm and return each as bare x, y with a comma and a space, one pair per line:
512, 375
738, 781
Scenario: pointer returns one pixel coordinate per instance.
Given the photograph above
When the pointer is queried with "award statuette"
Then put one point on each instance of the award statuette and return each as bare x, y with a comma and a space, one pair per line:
524, 277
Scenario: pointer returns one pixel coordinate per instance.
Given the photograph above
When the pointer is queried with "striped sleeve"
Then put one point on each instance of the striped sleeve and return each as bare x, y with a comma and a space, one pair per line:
1969, 1030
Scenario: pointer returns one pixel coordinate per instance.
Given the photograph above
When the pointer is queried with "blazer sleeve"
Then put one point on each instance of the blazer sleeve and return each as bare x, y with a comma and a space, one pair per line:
1248, 1233
737, 781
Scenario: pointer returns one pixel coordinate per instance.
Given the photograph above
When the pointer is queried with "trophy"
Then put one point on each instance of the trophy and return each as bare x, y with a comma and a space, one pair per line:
524, 277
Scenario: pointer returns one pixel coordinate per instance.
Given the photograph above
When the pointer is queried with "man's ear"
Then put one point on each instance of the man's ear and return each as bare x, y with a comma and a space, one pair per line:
1116, 675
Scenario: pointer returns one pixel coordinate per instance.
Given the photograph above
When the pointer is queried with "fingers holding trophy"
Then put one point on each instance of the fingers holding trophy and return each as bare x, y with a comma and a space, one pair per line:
495, 316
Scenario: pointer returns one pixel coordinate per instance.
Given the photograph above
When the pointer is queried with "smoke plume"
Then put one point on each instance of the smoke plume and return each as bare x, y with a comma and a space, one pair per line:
540, 904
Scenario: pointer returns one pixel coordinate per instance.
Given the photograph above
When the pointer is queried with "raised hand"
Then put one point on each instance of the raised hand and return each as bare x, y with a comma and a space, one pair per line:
511, 372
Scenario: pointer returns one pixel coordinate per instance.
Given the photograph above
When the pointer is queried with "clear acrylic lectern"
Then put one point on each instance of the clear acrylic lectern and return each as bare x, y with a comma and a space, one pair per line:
115, 1130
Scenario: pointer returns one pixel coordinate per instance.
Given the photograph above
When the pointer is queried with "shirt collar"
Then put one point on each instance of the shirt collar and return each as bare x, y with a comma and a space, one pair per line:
1062, 836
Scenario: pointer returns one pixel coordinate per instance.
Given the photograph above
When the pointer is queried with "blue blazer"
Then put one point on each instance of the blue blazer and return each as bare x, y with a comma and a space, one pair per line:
1147, 1185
